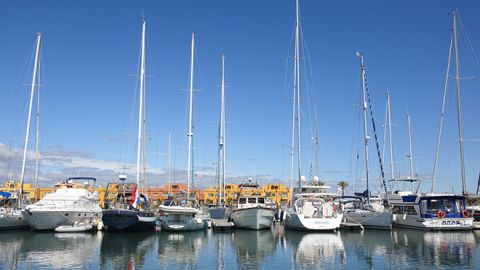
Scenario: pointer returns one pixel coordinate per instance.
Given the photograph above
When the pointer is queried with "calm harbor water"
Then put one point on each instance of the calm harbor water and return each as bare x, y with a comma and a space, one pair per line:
268, 249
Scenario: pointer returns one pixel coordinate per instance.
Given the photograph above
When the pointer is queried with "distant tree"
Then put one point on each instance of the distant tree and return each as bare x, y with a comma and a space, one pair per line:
342, 185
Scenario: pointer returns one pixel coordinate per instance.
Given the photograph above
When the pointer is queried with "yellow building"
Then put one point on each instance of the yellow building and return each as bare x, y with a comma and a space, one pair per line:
277, 193
112, 192
229, 195
28, 189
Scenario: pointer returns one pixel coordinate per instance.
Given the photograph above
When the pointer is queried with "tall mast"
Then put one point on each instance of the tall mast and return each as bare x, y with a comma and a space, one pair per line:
144, 145
297, 84
221, 139
292, 149
27, 132
459, 105
437, 151
141, 103
169, 163
410, 153
392, 167
37, 137
316, 144
365, 130
190, 123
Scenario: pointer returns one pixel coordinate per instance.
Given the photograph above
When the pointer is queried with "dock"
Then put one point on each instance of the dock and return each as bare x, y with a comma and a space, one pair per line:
221, 225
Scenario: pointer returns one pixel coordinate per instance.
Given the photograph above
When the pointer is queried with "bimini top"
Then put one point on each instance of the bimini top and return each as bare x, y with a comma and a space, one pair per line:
5, 194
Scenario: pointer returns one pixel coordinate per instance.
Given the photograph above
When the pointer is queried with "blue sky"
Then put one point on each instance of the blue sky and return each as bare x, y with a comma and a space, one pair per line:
91, 48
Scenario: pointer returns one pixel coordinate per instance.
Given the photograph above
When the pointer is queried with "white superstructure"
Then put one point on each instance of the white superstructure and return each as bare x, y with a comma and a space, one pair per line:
70, 203
182, 214
429, 211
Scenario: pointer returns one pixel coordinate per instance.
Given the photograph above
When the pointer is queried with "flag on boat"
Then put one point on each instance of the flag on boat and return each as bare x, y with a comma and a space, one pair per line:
135, 200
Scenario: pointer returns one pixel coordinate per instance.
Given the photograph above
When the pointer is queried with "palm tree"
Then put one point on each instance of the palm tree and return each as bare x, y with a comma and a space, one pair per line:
342, 185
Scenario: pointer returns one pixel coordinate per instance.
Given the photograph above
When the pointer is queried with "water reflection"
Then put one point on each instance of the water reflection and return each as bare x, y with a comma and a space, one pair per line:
267, 249
179, 248
316, 250
10, 245
252, 247
367, 249
58, 251
125, 250
433, 249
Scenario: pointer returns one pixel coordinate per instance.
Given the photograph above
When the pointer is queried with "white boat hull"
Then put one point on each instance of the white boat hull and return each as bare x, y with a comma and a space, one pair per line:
370, 219
433, 224
296, 221
253, 218
182, 222
51, 219
12, 219
74, 228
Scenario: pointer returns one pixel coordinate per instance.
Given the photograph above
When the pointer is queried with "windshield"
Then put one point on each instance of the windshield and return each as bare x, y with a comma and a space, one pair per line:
450, 206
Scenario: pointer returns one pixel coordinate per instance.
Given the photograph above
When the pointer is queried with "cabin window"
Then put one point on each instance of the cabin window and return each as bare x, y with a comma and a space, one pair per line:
450, 206
424, 208
261, 200
252, 200
242, 201
435, 205
411, 210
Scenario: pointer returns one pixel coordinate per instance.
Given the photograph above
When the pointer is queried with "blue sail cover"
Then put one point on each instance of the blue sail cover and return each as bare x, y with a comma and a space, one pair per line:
5, 194
363, 194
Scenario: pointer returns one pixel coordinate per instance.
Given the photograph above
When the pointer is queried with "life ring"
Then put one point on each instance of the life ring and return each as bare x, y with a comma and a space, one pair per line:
441, 214
465, 213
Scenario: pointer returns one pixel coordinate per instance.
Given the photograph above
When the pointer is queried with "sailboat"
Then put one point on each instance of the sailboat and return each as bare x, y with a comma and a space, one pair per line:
366, 210
11, 215
133, 214
435, 211
311, 206
220, 211
183, 213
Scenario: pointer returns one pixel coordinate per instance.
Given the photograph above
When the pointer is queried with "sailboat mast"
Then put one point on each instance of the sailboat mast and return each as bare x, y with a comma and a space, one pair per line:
459, 105
410, 153
190, 119
297, 84
37, 137
169, 163
365, 130
27, 132
292, 149
221, 139
439, 137
392, 171
316, 143
141, 103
